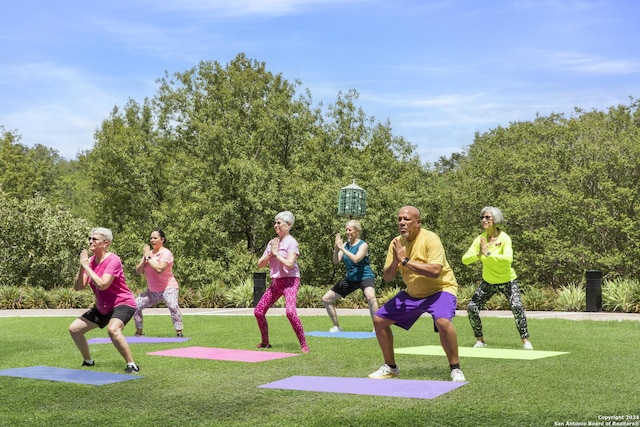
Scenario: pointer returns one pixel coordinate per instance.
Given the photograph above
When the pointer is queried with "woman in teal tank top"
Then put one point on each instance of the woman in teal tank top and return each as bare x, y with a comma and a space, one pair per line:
355, 255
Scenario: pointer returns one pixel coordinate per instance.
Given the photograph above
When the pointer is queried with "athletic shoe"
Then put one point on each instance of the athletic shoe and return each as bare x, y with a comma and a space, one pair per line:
479, 344
131, 369
335, 329
457, 376
85, 363
527, 346
385, 371
304, 349
179, 335
263, 345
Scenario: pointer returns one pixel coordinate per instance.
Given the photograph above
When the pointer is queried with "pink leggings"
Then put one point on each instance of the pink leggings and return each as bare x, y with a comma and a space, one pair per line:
287, 286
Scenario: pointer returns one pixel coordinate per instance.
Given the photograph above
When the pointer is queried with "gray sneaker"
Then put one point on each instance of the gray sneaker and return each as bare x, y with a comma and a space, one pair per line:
457, 376
385, 371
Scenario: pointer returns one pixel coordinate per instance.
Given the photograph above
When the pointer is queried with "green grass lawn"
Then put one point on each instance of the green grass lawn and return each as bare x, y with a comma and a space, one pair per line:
599, 377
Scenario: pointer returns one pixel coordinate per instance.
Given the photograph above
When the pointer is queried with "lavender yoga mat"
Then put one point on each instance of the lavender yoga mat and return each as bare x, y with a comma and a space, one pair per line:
222, 354
139, 340
79, 376
416, 389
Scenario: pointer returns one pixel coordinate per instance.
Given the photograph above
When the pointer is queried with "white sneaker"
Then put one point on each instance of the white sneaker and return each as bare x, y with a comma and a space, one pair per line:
335, 329
457, 376
479, 344
527, 346
385, 371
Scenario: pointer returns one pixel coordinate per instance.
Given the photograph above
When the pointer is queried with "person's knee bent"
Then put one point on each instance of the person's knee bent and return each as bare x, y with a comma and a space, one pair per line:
329, 298
472, 306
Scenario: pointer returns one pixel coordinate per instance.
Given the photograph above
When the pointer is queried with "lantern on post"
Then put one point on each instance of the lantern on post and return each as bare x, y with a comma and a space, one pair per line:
352, 201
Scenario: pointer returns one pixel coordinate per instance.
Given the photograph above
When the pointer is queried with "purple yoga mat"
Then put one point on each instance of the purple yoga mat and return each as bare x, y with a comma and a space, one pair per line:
80, 376
376, 387
222, 354
139, 340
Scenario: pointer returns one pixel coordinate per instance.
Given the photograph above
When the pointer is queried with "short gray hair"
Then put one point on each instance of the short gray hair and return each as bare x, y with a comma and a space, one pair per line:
105, 232
287, 217
496, 213
355, 224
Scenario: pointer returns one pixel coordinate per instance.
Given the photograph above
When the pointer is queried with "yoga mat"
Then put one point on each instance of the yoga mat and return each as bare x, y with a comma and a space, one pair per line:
79, 376
490, 353
139, 340
351, 335
222, 354
374, 387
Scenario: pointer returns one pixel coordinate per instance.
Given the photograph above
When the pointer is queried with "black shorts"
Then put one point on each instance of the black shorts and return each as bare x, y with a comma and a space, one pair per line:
345, 287
122, 312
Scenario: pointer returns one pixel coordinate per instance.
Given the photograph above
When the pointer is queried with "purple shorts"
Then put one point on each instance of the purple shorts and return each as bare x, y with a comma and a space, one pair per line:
404, 311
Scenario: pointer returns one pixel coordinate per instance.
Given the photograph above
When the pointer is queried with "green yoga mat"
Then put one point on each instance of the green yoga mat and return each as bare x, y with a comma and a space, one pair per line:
489, 353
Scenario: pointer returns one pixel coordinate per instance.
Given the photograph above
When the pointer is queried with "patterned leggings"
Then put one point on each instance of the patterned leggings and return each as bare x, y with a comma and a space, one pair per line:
486, 291
149, 299
287, 286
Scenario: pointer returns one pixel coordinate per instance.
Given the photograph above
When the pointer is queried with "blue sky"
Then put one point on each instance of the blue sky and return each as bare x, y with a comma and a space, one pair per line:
438, 70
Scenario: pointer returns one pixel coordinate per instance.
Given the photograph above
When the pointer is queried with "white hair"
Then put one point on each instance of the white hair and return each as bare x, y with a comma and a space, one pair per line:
104, 232
287, 217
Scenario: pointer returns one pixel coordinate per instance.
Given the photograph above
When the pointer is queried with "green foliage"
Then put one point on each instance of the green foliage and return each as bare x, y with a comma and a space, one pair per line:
465, 293
571, 297
70, 298
537, 298
40, 243
621, 295
36, 297
241, 295
212, 295
309, 296
11, 297
221, 148
387, 293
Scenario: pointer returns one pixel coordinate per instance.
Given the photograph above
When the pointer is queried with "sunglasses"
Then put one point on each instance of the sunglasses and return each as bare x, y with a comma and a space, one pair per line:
94, 239
487, 217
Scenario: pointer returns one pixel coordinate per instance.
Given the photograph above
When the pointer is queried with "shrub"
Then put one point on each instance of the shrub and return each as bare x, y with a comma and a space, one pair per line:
188, 298
388, 293
498, 302
571, 297
310, 296
241, 296
70, 298
36, 297
539, 299
355, 299
464, 296
621, 295
11, 297
212, 295
40, 243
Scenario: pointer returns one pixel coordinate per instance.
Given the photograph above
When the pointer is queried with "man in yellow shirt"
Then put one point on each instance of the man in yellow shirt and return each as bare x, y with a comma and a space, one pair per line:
419, 256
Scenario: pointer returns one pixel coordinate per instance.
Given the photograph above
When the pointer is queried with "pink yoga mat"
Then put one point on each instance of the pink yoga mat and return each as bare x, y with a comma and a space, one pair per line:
222, 354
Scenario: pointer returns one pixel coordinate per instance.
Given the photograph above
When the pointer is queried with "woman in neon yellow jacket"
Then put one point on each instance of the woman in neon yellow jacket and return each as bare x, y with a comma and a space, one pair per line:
493, 248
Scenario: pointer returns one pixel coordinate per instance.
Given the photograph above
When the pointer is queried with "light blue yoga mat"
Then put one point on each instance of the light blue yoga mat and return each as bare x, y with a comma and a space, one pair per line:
79, 376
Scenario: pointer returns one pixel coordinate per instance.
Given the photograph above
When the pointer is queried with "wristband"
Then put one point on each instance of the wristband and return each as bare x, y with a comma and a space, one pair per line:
405, 261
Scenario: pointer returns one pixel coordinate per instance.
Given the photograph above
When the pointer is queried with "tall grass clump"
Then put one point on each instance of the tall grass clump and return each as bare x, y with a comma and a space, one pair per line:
622, 295
571, 297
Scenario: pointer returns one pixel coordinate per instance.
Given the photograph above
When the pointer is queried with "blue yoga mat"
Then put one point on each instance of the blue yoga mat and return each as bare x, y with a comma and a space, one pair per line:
79, 376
